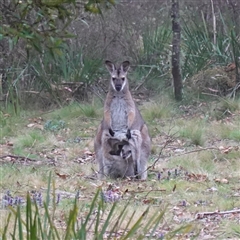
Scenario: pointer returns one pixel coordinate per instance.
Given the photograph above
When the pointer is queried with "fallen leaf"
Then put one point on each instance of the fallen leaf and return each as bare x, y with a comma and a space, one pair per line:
225, 150
9, 144
63, 176
30, 125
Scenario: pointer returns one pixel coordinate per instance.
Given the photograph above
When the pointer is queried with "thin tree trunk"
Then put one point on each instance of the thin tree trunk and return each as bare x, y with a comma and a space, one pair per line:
176, 73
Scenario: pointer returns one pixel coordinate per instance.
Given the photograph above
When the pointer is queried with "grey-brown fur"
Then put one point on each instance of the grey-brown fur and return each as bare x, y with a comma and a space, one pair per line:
121, 116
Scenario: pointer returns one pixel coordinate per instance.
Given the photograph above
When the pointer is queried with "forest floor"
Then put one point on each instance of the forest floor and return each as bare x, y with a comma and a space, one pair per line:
194, 168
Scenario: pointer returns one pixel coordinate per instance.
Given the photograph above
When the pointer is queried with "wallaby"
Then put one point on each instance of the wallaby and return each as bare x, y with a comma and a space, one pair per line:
121, 115
117, 156
121, 155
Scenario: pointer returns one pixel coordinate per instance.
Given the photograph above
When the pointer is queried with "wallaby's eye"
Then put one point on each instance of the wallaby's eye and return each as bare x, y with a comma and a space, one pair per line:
113, 78
123, 78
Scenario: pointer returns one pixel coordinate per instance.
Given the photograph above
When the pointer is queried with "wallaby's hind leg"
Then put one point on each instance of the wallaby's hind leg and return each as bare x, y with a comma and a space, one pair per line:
99, 151
144, 153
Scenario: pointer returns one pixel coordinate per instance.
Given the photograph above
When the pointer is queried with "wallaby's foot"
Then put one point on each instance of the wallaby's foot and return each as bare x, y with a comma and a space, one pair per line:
111, 132
128, 135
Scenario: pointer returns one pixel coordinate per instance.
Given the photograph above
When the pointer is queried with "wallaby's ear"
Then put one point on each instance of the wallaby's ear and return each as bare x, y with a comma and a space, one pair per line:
110, 66
125, 66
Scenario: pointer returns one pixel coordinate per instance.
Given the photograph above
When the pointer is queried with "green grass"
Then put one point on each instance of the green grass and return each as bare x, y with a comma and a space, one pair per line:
73, 169
194, 132
157, 110
30, 139
230, 132
32, 222
76, 110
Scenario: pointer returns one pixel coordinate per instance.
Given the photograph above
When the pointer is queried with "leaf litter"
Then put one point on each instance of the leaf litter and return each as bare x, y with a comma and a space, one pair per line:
163, 186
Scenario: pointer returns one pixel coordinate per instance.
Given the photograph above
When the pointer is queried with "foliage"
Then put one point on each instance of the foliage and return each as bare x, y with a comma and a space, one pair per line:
42, 23
185, 178
153, 55
198, 48
40, 224
53, 50
54, 125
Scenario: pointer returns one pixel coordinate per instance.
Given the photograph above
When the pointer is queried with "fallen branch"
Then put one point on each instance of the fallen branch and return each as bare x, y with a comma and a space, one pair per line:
145, 191
144, 80
198, 150
206, 214
160, 154
18, 157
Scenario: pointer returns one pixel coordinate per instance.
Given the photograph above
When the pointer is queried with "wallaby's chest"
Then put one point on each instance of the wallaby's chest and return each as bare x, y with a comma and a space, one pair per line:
119, 114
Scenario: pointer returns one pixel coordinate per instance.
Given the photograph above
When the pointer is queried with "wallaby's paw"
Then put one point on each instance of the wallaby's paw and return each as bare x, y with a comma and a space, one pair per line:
111, 132
128, 135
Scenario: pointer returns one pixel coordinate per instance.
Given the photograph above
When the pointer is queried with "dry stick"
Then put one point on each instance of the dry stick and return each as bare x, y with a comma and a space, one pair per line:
198, 150
160, 153
158, 158
205, 214
15, 156
144, 80
166, 143
233, 93
214, 25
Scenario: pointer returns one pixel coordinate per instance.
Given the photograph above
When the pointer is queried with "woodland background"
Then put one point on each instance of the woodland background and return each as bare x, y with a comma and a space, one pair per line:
53, 51
53, 83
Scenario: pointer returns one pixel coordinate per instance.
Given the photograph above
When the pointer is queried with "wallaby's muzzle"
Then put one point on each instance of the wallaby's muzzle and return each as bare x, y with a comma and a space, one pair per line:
118, 83
118, 87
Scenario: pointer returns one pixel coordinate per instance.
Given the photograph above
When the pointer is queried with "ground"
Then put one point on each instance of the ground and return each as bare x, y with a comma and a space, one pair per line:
193, 174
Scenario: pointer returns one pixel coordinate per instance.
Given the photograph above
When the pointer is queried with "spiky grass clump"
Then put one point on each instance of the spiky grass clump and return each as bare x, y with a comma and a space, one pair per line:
194, 132
157, 111
30, 139
100, 221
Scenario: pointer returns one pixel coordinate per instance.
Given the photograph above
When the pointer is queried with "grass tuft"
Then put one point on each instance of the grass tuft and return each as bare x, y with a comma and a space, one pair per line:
193, 131
156, 111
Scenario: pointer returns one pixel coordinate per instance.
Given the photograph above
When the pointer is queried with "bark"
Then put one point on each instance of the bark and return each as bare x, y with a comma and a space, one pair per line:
176, 73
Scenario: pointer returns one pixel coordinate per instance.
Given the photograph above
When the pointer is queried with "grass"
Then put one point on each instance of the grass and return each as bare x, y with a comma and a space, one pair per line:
34, 137
193, 131
190, 165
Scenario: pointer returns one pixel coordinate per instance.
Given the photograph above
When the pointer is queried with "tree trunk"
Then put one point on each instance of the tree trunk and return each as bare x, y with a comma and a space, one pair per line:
177, 80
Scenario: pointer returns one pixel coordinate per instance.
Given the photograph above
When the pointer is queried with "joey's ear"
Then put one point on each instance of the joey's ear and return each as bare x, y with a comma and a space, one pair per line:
110, 66
125, 66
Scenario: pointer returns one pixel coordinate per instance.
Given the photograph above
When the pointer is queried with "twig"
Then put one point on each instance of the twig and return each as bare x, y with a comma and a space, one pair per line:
144, 191
15, 156
205, 214
160, 153
197, 150
233, 93
144, 80
214, 24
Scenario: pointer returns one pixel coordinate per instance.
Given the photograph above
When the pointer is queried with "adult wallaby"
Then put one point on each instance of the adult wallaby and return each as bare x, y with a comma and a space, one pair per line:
121, 115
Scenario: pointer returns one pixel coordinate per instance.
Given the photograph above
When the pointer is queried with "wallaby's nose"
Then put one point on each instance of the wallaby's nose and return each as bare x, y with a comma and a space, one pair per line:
118, 84
118, 87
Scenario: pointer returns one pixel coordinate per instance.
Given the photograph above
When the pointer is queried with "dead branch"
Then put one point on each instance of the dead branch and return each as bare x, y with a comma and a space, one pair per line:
160, 153
206, 214
235, 89
197, 150
18, 157
144, 80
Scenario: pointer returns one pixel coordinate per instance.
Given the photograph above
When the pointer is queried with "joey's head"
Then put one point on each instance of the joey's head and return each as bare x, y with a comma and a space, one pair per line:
126, 152
118, 75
